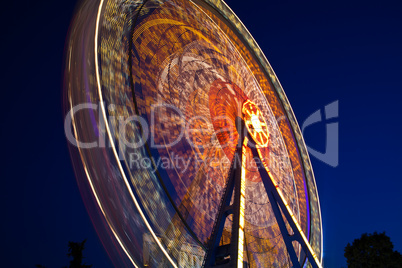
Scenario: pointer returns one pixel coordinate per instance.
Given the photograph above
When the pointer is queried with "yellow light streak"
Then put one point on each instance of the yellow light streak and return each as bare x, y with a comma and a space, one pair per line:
242, 205
260, 135
93, 188
114, 147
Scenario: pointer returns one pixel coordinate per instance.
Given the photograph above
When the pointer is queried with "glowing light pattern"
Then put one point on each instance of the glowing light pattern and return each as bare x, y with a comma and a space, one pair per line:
242, 204
255, 123
142, 70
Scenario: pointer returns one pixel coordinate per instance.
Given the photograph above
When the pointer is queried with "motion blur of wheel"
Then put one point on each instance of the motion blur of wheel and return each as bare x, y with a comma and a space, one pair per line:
153, 89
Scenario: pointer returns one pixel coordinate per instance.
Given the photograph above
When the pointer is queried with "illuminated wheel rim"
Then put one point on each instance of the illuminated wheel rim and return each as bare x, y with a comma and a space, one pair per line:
196, 60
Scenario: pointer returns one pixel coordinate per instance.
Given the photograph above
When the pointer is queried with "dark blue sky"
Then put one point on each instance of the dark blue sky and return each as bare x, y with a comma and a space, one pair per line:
348, 51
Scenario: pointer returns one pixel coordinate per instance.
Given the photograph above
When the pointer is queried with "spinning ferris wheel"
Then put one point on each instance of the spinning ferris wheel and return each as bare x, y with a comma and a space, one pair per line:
187, 152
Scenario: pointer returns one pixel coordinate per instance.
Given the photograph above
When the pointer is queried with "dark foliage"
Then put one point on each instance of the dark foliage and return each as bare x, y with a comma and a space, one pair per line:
372, 251
75, 250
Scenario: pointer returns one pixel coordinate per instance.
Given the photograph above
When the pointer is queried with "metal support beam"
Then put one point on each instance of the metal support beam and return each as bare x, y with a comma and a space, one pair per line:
225, 209
225, 256
282, 226
279, 207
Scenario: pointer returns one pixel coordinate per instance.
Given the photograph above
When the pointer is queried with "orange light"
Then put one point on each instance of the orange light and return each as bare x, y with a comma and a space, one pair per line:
255, 123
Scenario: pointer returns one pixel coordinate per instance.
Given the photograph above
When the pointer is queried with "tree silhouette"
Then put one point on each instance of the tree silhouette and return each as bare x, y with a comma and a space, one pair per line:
372, 251
75, 250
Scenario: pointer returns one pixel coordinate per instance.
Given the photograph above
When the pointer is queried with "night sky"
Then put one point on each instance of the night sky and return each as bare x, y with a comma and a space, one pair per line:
346, 51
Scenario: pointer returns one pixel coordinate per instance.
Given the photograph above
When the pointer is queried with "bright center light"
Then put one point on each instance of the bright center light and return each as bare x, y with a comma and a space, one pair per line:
256, 123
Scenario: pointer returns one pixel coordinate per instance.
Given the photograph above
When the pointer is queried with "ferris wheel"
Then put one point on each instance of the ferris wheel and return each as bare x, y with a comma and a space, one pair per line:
186, 149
